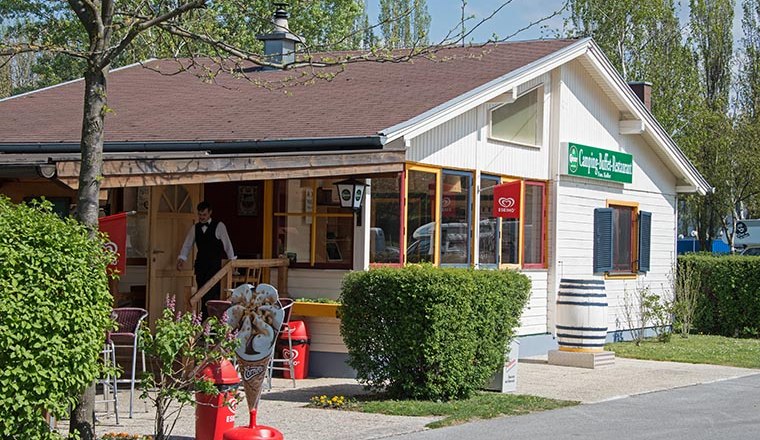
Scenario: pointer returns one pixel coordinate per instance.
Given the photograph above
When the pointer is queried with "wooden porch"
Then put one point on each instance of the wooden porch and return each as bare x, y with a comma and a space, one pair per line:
236, 272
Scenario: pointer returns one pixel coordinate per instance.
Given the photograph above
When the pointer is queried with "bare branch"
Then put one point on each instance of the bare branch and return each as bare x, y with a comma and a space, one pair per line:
19, 48
142, 23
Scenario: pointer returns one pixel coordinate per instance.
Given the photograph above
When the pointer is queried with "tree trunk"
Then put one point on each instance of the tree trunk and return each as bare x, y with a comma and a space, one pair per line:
83, 416
92, 145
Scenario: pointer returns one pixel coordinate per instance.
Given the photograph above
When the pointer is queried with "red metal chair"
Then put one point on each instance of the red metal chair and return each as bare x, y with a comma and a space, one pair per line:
129, 320
216, 308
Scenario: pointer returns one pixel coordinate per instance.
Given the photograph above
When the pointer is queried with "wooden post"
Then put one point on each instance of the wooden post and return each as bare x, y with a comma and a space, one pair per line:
282, 279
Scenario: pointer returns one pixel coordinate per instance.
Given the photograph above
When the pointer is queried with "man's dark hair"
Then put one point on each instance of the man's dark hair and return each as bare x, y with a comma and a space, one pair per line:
204, 205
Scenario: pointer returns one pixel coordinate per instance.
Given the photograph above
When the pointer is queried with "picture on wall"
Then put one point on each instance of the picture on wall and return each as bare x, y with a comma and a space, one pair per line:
248, 203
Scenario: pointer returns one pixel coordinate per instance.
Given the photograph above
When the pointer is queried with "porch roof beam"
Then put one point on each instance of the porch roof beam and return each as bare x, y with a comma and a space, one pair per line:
151, 172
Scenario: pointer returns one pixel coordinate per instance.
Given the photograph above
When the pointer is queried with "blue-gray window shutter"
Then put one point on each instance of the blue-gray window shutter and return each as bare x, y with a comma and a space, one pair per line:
602, 240
645, 240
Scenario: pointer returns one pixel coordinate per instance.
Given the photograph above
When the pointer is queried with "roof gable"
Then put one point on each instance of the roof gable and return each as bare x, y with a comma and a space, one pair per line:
605, 74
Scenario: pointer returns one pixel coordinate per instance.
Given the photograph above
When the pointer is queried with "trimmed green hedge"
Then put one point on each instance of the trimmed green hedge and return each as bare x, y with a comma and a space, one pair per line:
423, 332
54, 310
730, 300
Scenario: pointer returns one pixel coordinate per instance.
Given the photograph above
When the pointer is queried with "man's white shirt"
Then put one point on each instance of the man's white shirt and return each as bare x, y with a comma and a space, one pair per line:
221, 234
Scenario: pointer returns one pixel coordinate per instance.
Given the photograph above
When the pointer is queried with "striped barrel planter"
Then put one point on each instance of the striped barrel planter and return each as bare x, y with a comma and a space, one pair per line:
581, 315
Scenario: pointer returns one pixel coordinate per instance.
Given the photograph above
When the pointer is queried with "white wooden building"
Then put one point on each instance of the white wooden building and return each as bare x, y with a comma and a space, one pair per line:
432, 138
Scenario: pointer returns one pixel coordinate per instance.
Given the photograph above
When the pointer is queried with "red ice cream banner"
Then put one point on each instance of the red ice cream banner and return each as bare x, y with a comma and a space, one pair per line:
115, 226
506, 200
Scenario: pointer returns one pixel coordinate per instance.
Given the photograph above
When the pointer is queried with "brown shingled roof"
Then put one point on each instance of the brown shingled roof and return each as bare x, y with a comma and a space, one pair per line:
363, 100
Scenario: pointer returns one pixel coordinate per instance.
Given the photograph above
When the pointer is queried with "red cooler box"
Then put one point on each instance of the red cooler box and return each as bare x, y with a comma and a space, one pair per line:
300, 341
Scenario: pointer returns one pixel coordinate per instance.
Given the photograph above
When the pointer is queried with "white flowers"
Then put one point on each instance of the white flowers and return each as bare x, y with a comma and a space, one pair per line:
258, 316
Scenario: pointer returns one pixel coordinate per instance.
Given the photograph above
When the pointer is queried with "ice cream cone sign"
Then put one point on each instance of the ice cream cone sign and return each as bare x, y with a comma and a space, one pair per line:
257, 316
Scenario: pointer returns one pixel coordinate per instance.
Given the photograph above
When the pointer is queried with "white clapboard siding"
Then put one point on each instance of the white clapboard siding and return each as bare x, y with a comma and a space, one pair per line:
324, 333
589, 117
313, 283
463, 143
533, 318
451, 144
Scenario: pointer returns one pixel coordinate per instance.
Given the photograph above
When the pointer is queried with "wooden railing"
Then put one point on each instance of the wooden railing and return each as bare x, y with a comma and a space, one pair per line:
238, 271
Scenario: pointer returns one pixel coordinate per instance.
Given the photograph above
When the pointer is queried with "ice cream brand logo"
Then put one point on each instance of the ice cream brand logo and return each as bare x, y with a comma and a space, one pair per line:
252, 371
506, 202
114, 249
507, 205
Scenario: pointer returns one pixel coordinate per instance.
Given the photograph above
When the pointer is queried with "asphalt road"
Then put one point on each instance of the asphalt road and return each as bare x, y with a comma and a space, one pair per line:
724, 410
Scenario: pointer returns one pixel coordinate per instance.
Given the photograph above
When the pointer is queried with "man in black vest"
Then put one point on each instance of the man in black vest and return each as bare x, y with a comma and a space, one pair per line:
211, 238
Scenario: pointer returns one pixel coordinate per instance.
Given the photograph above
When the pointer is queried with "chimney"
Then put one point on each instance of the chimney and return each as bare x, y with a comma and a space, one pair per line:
280, 44
643, 90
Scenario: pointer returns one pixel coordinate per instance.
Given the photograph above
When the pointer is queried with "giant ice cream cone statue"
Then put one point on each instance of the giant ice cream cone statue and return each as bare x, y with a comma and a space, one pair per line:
257, 316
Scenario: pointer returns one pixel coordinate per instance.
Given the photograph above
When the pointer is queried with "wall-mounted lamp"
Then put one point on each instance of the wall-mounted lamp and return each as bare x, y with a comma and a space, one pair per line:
351, 195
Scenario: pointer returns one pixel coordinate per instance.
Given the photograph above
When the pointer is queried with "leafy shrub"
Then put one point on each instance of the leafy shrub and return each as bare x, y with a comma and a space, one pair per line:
729, 303
430, 333
178, 350
54, 310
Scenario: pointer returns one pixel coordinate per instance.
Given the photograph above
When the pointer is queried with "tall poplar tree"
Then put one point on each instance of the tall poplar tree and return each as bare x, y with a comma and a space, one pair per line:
404, 23
743, 168
645, 42
710, 144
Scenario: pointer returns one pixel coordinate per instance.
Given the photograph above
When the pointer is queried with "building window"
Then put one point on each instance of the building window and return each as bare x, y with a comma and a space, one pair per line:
534, 225
456, 224
385, 220
499, 237
421, 216
310, 227
488, 228
622, 237
519, 122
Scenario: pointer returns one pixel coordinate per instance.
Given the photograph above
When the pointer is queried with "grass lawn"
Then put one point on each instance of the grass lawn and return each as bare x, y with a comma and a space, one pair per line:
696, 349
483, 405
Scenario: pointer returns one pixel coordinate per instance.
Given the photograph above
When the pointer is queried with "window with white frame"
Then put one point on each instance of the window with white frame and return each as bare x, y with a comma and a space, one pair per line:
519, 121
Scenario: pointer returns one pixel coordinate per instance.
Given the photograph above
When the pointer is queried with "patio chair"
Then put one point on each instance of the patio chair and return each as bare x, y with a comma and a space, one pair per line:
110, 381
216, 308
283, 363
129, 320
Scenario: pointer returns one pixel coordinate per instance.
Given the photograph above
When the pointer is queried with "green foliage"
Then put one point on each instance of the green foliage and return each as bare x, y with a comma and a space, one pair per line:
697, 349
482, 405
55, 308
643, 308
729, 303
318, 300
179, 348
404, 23
323, 24
423, 332
686, 293
643, 40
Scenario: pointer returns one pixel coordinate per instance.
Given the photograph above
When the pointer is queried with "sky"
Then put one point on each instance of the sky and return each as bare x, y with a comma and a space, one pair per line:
446, 14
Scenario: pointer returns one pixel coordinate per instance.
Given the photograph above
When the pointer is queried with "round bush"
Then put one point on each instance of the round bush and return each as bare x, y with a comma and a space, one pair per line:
424, 332
54, 310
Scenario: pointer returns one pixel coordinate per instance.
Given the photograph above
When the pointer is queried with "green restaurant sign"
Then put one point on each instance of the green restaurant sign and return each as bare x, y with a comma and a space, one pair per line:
596, 163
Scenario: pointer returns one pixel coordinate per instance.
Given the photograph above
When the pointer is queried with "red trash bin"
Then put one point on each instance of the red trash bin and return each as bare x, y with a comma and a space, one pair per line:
300, 341
215, 414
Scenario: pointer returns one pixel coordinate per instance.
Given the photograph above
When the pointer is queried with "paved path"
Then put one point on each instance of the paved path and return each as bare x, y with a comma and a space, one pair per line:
725, 410
284, 407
